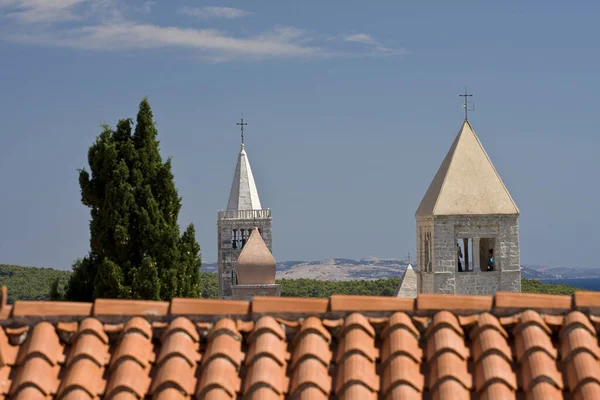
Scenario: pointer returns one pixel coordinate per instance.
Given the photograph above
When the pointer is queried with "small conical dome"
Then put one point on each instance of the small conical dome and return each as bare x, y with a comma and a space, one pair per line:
256, 264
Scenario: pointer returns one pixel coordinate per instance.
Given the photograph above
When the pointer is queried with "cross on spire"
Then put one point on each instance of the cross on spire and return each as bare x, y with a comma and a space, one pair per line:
241, 124
466, 103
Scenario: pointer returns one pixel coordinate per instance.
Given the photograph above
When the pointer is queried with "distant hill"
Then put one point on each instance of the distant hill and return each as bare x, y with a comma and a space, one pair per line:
30, 283
372, 268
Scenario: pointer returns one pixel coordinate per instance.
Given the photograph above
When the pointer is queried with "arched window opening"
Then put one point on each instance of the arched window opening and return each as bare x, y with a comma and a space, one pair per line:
234, 239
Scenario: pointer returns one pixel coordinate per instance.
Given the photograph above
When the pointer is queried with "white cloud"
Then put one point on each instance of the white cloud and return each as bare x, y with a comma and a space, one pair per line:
31, 11
214, 12
129, 35
360, 38
377, 48
108, 25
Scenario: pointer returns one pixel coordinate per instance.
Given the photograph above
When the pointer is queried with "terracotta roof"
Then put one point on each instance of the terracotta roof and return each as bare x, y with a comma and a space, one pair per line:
511, 346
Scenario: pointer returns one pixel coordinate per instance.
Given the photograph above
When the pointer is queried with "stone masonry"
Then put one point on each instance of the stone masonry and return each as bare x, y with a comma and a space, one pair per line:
443, 276
227, 221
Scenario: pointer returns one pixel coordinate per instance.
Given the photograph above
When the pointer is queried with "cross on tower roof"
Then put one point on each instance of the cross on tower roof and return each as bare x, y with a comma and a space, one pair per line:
241, 124
466, 103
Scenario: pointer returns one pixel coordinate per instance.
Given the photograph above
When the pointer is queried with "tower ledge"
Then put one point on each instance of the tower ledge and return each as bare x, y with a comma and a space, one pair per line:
245, 214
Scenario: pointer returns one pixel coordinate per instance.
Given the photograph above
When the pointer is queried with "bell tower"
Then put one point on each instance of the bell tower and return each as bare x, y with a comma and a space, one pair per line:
467, 226
235, 224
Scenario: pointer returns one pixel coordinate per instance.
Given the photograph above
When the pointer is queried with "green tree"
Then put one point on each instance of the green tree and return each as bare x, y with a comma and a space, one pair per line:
136, 250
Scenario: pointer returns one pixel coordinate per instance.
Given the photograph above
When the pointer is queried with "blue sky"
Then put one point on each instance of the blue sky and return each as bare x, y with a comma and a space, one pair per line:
351, 110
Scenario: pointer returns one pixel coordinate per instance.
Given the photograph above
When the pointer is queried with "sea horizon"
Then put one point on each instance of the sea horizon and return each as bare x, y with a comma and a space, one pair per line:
579, 283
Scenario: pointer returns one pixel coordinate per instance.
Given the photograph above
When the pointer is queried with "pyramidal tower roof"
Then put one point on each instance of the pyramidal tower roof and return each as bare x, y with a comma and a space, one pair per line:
408, 284
244, 194
467, 182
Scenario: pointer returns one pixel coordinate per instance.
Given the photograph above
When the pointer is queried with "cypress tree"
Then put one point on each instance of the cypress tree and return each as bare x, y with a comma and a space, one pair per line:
136, 250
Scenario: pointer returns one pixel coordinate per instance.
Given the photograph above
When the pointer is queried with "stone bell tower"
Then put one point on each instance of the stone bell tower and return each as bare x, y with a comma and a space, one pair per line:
235, 224
467, 226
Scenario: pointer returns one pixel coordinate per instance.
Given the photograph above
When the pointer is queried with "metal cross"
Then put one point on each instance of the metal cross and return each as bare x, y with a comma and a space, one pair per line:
241, 124
466, 103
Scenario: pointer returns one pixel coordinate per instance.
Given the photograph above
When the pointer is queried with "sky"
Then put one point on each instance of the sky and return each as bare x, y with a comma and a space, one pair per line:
350, 110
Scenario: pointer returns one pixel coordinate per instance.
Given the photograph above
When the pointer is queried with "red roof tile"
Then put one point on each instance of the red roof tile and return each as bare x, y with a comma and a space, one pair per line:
511, 346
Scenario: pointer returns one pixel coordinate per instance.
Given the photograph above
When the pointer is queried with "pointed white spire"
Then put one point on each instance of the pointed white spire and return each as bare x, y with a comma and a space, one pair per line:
244, 194
408, 284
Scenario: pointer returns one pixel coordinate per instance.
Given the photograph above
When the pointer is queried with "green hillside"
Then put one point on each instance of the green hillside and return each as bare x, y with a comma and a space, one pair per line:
31, 283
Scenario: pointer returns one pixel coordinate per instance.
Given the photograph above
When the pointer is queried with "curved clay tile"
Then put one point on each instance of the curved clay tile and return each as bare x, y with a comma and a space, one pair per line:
221, 374
267, 344
179, 344
136, 347
312, 325
578, 340
588, 390
310, 393
444, 319
544, 390
77, 394
44, 341
532, 338
181, 324
494, 368
225, 346
30, 393
225, 326
8, 352
497, 390
357, 390
266, 324
174, 372
529, 318
403, 392
402, 371
311, 345
89, 346
83, 374
265, 371
401, 342
138, 324
577, 319
448, 366
446, 340
356, 368
400, 320
451, 389
92, 325
310, 373
487, 321
37, 372
262, 393
540, 366
356, 341
171, 393
582, 368
490, 341
256, 264
128, 376
357, 320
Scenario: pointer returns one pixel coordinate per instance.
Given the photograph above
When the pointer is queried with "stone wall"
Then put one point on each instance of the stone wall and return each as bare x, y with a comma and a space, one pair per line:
477, 282
227, 255
503, 229
424, 276
246, 292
